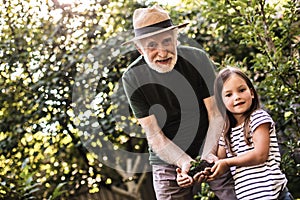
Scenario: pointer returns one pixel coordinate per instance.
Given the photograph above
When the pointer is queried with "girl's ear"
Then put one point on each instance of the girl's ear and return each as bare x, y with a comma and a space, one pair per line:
252, 93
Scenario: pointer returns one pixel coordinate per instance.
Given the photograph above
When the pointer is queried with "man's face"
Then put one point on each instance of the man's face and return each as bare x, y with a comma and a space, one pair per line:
159, 50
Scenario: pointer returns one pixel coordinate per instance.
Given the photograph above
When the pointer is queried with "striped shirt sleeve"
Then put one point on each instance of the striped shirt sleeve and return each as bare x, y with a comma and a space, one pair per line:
260, 117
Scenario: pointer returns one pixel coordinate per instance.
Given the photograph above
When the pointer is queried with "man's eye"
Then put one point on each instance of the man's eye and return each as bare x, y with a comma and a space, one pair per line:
167, 42
152, 45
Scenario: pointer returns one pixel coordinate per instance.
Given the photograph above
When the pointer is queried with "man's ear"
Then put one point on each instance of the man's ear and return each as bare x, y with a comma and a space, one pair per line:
139, 49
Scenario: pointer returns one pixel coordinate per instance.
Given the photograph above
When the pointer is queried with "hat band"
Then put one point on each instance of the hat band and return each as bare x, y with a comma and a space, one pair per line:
152, 28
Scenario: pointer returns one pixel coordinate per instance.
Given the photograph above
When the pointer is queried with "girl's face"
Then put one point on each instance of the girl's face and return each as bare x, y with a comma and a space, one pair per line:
237, 96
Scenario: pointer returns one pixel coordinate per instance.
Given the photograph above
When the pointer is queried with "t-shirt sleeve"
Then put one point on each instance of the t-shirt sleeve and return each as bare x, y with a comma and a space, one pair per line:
135, 97
204, 65
260, 117
208, 73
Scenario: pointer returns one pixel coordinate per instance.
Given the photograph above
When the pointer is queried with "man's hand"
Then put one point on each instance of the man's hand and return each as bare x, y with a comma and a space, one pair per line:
183, 179
202, 167
211, 158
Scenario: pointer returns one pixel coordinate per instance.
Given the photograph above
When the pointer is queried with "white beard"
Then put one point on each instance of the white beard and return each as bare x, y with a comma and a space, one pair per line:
162, 68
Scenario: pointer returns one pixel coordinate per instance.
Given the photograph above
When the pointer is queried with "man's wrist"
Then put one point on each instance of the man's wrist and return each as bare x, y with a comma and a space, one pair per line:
184, 161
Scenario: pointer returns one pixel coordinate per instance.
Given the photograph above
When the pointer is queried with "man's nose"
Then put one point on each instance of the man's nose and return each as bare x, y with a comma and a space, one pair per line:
162, 51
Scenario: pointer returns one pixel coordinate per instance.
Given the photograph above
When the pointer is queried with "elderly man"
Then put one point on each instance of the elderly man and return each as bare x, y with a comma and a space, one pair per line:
170, 90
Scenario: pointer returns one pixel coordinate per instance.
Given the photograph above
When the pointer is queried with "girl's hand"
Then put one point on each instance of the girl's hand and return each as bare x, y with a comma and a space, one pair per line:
183, 179
202, 176
220, 167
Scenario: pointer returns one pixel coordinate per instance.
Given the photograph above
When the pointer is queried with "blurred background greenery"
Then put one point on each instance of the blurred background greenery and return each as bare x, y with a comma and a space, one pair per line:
47, 48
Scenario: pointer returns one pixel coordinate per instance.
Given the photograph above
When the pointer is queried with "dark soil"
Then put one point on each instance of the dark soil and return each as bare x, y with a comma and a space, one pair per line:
198, 166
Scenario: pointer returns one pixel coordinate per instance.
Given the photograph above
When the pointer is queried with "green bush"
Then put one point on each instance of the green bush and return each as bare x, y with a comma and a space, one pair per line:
45, 46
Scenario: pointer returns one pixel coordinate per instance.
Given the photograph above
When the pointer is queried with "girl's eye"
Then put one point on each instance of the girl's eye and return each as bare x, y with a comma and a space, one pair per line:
227, 95
242, 90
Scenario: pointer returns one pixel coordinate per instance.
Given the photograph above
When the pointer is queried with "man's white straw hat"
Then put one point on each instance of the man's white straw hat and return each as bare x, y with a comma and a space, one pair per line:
151, 21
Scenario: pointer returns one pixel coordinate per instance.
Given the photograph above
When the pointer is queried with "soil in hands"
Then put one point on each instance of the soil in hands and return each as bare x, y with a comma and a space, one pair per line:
198, 165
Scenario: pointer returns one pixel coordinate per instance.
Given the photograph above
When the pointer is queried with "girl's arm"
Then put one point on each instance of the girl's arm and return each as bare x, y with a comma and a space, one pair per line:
221, 152
260, 153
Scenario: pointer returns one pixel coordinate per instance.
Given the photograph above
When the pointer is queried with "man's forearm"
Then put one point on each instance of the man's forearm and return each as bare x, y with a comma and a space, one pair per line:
214, 131
161, 145
212, 138
168, 151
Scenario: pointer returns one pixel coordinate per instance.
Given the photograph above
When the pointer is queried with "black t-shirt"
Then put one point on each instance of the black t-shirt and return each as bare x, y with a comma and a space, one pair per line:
175, 97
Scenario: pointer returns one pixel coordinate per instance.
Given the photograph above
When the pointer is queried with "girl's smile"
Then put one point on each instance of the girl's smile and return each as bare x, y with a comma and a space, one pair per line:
238, 104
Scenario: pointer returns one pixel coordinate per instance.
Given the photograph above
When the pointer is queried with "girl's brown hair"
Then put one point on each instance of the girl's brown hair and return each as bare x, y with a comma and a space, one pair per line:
230, 121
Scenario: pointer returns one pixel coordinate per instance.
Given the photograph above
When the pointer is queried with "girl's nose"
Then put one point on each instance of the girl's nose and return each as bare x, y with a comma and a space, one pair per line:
236, 97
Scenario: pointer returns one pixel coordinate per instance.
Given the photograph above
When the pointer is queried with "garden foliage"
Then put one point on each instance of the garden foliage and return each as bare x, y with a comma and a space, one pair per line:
48, 47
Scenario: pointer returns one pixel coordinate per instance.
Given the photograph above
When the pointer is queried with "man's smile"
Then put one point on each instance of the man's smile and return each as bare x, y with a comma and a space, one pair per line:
164, 61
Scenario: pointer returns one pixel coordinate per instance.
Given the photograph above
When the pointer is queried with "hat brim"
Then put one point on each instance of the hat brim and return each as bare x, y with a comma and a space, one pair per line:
154, 33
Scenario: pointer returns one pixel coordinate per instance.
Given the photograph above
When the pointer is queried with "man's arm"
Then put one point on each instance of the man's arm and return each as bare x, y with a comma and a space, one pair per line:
214, 131
163, 146
210, 146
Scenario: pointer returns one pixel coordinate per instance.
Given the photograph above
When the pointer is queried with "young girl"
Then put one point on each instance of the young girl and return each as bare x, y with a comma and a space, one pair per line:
248, 145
